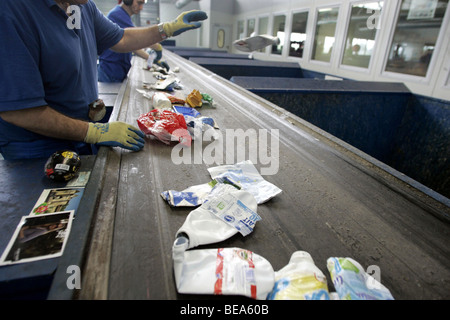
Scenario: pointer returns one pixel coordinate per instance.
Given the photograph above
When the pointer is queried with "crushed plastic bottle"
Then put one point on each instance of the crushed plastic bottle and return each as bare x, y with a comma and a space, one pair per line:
222, 216
300, 279
196, 195
161, 101
223, 271
246, 174
353, 283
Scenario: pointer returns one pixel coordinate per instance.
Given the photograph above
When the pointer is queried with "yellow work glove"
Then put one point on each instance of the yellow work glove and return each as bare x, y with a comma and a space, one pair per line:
115, 134
186, 21
158, 49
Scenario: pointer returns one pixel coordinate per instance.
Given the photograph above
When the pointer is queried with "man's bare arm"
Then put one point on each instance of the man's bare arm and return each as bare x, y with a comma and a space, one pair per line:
141, 53
137, 38
48, 122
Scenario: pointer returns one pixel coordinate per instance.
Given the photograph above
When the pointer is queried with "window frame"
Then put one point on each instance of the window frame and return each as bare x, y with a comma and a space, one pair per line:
286, 31
431, 67
307, 43
247, 20
370, 67
258, 18
237, 28
313, 34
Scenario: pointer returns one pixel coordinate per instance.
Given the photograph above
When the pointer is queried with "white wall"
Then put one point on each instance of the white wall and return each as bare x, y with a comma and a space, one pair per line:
169, 12
220, 12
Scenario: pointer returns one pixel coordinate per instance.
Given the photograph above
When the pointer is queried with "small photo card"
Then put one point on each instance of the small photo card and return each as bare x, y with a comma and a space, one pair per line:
57, 200
38, 237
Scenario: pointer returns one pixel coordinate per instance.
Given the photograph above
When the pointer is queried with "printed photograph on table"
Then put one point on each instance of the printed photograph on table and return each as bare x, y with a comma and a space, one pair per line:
56, 200
38, 237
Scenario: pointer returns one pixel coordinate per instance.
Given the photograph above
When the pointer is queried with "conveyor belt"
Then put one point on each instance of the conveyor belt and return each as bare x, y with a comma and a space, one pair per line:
336, 201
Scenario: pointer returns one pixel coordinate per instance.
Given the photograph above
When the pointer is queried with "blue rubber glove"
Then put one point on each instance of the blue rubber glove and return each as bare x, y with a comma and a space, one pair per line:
115, 134
188, 20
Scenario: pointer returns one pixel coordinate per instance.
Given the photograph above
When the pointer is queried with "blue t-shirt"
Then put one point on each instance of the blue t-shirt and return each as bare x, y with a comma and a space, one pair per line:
45, 61
116, 65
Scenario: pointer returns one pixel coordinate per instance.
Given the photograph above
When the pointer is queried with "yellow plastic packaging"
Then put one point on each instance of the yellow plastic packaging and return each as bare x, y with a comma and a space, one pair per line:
300, 280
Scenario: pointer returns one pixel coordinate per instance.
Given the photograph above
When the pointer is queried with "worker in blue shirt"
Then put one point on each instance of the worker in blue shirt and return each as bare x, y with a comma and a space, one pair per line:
113, 66
48, 61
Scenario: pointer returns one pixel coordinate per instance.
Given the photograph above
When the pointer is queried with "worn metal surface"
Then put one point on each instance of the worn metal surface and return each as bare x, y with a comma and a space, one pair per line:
336, 201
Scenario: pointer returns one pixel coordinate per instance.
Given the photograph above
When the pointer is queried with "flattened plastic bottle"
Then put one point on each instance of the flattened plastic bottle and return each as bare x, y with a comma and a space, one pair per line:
223, 271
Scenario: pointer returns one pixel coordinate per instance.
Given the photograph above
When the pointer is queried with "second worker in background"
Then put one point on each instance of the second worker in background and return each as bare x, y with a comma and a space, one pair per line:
114, 66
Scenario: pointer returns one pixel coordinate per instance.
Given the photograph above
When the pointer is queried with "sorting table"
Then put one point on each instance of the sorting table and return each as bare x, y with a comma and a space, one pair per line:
336, 202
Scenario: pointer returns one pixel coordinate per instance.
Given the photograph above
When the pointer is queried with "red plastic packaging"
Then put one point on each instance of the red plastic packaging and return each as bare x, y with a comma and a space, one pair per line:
165, 125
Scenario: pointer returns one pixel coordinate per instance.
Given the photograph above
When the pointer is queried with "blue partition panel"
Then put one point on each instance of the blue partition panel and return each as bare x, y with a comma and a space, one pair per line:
421, 148
385, 120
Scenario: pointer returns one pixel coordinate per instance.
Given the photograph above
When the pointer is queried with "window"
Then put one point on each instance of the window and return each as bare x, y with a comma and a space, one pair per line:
263, 26
298, 34
362, 28
325, 33
240, 30
279, 23
415, 36
250, 27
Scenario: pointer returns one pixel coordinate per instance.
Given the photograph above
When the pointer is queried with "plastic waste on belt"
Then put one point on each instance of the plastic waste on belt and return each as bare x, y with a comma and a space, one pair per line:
223, 271
300, 279
161, 101
242, 174
196, 195
246, 175
221, 217
198, 127
353, 283
186, 111
165, 125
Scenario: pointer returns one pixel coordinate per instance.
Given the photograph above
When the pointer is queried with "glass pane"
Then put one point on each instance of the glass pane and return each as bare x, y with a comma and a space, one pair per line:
278, 31
263, 26
298, 34
250, 27
415, 36
363, 26
324, 35
240, 30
